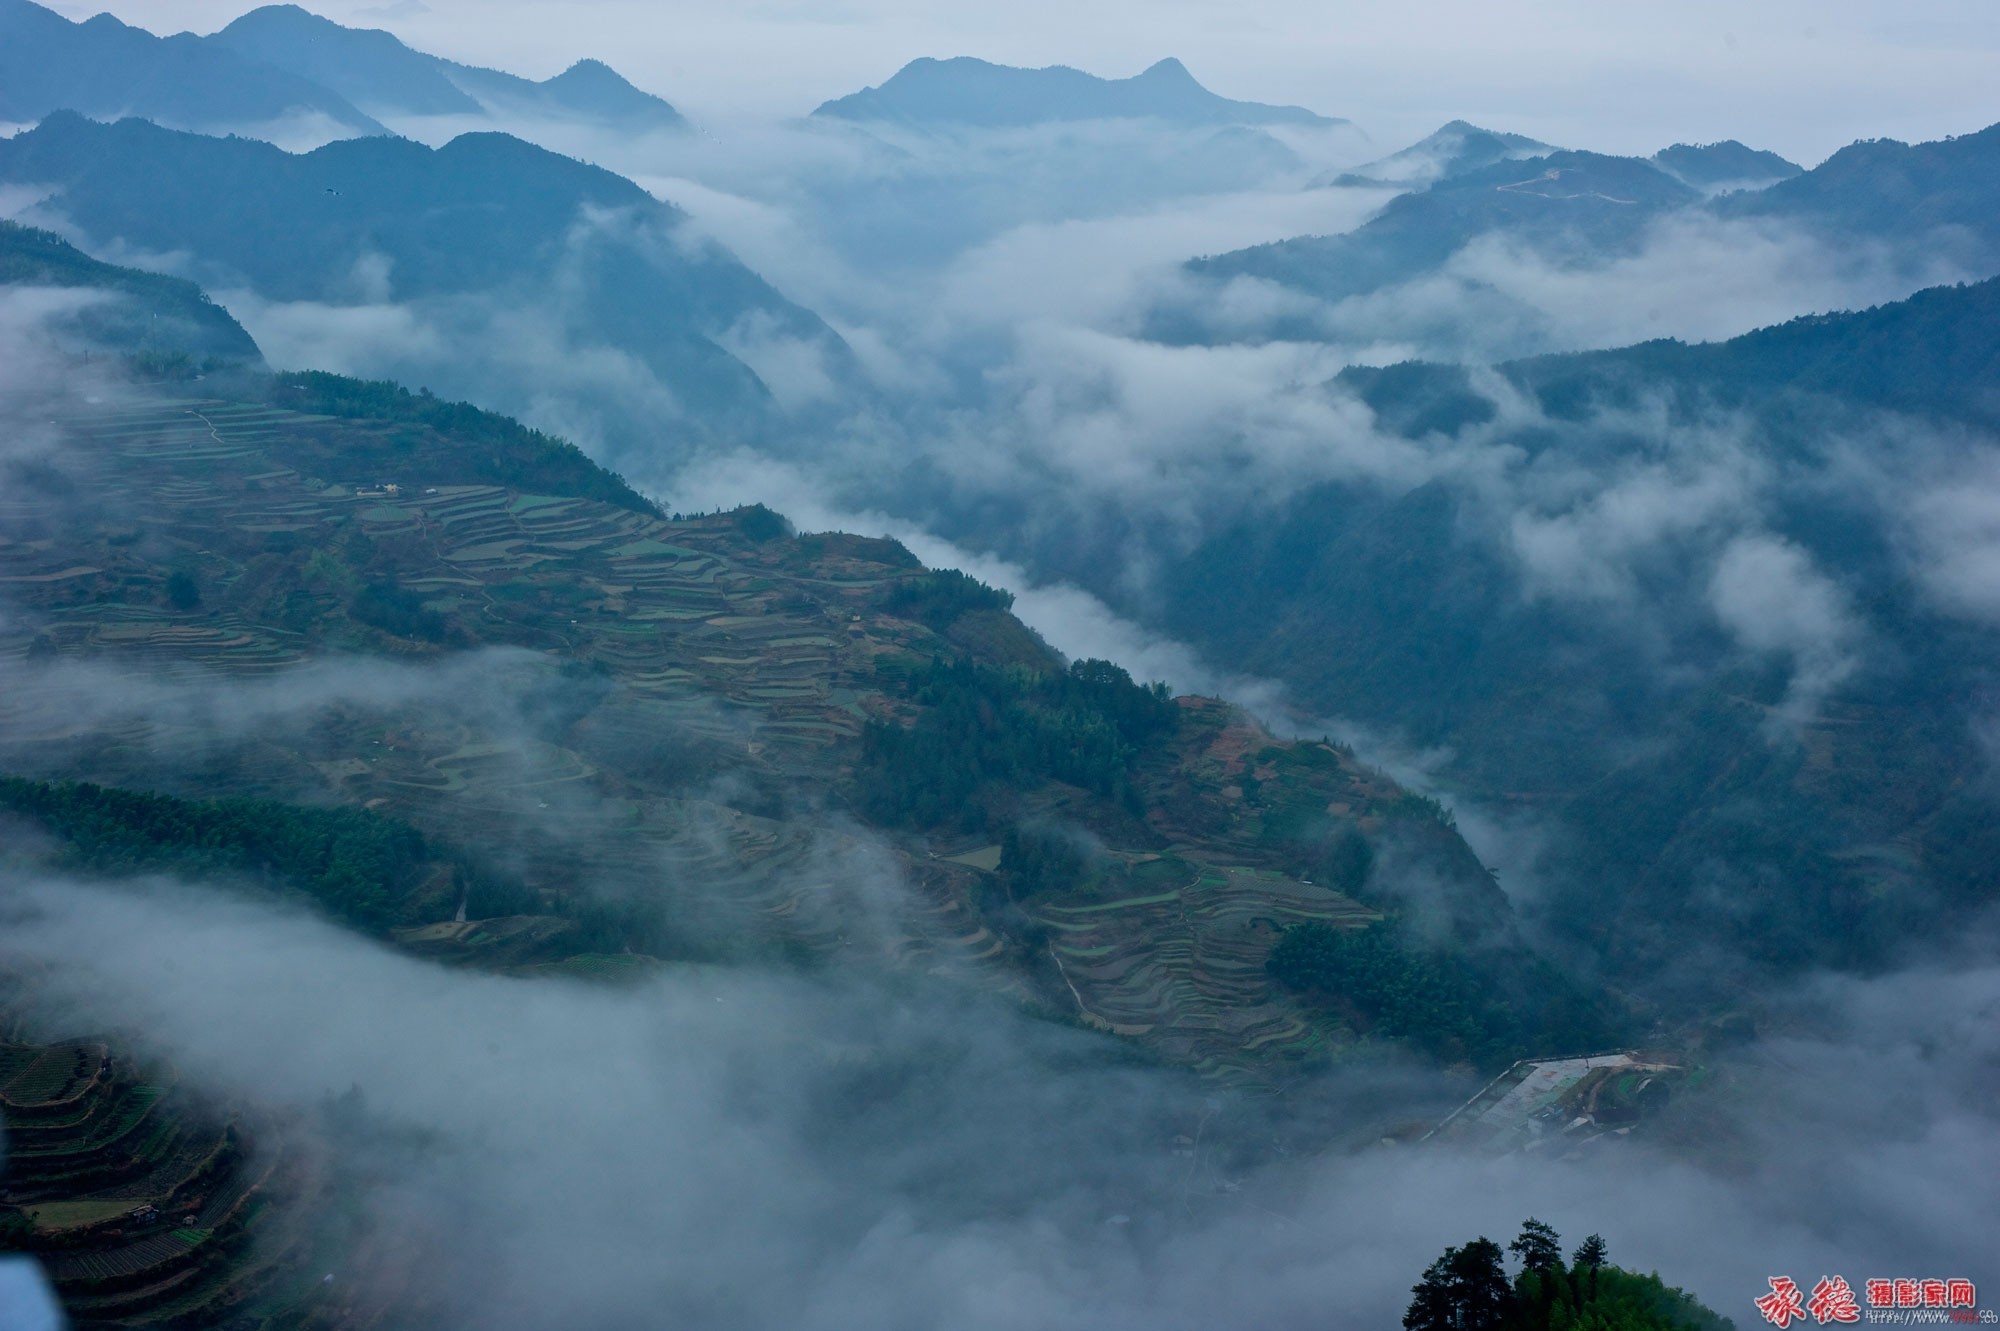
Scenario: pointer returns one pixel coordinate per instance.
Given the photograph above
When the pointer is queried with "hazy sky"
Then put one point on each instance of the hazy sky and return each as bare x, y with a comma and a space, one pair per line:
1800, 76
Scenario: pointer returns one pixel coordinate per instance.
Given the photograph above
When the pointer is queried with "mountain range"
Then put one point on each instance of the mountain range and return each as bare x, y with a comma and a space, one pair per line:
376, 220
1571, 203
1623, 702
1928, 203
131, 313
276, 69
376, 71
1662, 751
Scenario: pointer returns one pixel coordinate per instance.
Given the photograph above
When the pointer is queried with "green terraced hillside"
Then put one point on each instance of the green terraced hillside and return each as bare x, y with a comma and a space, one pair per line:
661, 740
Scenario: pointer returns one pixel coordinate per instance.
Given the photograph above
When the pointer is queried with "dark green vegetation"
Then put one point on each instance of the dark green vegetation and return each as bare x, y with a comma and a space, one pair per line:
685, 701
455, 442
1935, 356
1467, 1289
1478, 1005
486, 219
941, 597
965, 91
161, 321
985, 727
146, 1207
355, 864
1688, 801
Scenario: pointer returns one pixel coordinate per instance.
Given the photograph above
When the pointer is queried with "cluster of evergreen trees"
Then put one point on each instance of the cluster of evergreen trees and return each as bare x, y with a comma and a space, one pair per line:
982, 725
938, 598
1467, 1289
398, 611
1039, 861
355, 864
1427, 997
1483, 1005
486, 448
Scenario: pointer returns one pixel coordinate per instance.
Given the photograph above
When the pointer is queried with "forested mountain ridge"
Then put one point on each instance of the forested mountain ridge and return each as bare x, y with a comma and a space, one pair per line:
783, 661
142, 314
485, 222
444, 681
1844, 822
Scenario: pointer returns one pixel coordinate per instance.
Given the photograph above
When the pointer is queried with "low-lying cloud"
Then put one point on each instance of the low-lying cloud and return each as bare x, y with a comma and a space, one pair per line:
767, 1150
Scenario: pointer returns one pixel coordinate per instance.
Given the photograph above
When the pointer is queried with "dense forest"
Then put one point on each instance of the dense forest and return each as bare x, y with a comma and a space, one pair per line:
485, 447
940, 597
985, 726
149, 316
1467, 1289
1486, 1007
356, 865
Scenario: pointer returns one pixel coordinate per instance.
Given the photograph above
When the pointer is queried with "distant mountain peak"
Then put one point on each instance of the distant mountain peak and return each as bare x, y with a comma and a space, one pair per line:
1453, 149
1727, 165
374, 68
106, 67
965, 90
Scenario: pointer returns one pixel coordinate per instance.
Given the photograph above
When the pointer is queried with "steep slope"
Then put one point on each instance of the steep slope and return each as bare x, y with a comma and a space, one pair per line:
1934, 355
144, 314
966, 91
1796, 795
485, 223
720, 672
374, 69
104, 68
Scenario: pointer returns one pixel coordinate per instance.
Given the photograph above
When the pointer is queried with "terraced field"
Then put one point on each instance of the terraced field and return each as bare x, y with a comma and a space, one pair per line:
206, 598
666, 667
1184, 967
139, 1203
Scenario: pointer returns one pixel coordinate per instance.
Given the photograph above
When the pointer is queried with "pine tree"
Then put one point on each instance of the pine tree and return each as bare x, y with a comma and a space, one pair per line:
1464, 1290
1539, 1248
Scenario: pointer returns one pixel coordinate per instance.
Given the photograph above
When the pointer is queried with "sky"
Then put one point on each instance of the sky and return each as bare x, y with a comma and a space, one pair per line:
1803, 77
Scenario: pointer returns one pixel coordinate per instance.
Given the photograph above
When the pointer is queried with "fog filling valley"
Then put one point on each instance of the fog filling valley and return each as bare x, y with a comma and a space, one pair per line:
736, 1148
1021, 377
